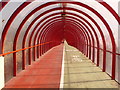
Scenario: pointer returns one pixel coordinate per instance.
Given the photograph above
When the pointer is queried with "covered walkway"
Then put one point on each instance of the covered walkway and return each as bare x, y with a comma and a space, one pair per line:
59, 44
74, 70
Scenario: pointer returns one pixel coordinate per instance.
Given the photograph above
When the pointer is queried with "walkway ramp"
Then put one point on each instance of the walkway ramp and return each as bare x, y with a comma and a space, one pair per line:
48, 72
80, 72
44, 73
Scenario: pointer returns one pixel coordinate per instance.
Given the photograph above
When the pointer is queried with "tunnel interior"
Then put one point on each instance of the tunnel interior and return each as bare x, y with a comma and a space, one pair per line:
32, 27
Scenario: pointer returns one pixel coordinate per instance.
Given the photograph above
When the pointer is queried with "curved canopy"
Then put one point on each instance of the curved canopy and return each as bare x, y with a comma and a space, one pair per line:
89, 25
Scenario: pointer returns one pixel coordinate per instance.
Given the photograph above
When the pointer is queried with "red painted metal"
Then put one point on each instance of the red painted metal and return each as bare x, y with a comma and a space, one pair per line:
80, 28
107, 6
90, 34
24, 49
27, 31
103, 39
42, 30
103, 54
110, 33
18, 32
36, 27
81, 39
111, 37
55, 26
49, 35
3, 4
42, 35
36, 32
46, 35
83, 29
11, 19
111, 10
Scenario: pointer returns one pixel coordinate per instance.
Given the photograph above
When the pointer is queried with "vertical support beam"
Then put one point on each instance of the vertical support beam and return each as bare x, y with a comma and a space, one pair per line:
30, 56
1, 72
23, 59
14, 64
38, 52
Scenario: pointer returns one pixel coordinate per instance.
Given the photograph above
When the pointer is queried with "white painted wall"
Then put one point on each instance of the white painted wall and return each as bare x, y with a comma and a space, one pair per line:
1, 72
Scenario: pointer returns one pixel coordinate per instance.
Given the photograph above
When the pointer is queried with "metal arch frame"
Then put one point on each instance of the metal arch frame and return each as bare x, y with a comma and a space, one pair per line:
107, 6
6, 28
81, 38
101, 33
45, 35
20, 28
90, 34
48, 24
89, 24
47, 21
30, 39
47, 29
34, 49
39, 29
3, 4
111, 10
69, 39
42, 30
111, 36
76, 29
84, 31
31, 24
50, 32
86, 34
103, 54
35, 34
50, 28
28, 29
59, 30
44, 25
81, 27
60, 38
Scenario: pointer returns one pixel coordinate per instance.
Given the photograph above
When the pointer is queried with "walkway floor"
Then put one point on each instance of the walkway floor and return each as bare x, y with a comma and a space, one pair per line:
79, 72
44, 73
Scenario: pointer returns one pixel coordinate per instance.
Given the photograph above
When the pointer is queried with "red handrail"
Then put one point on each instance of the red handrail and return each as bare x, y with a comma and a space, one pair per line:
24, 49
104, 50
